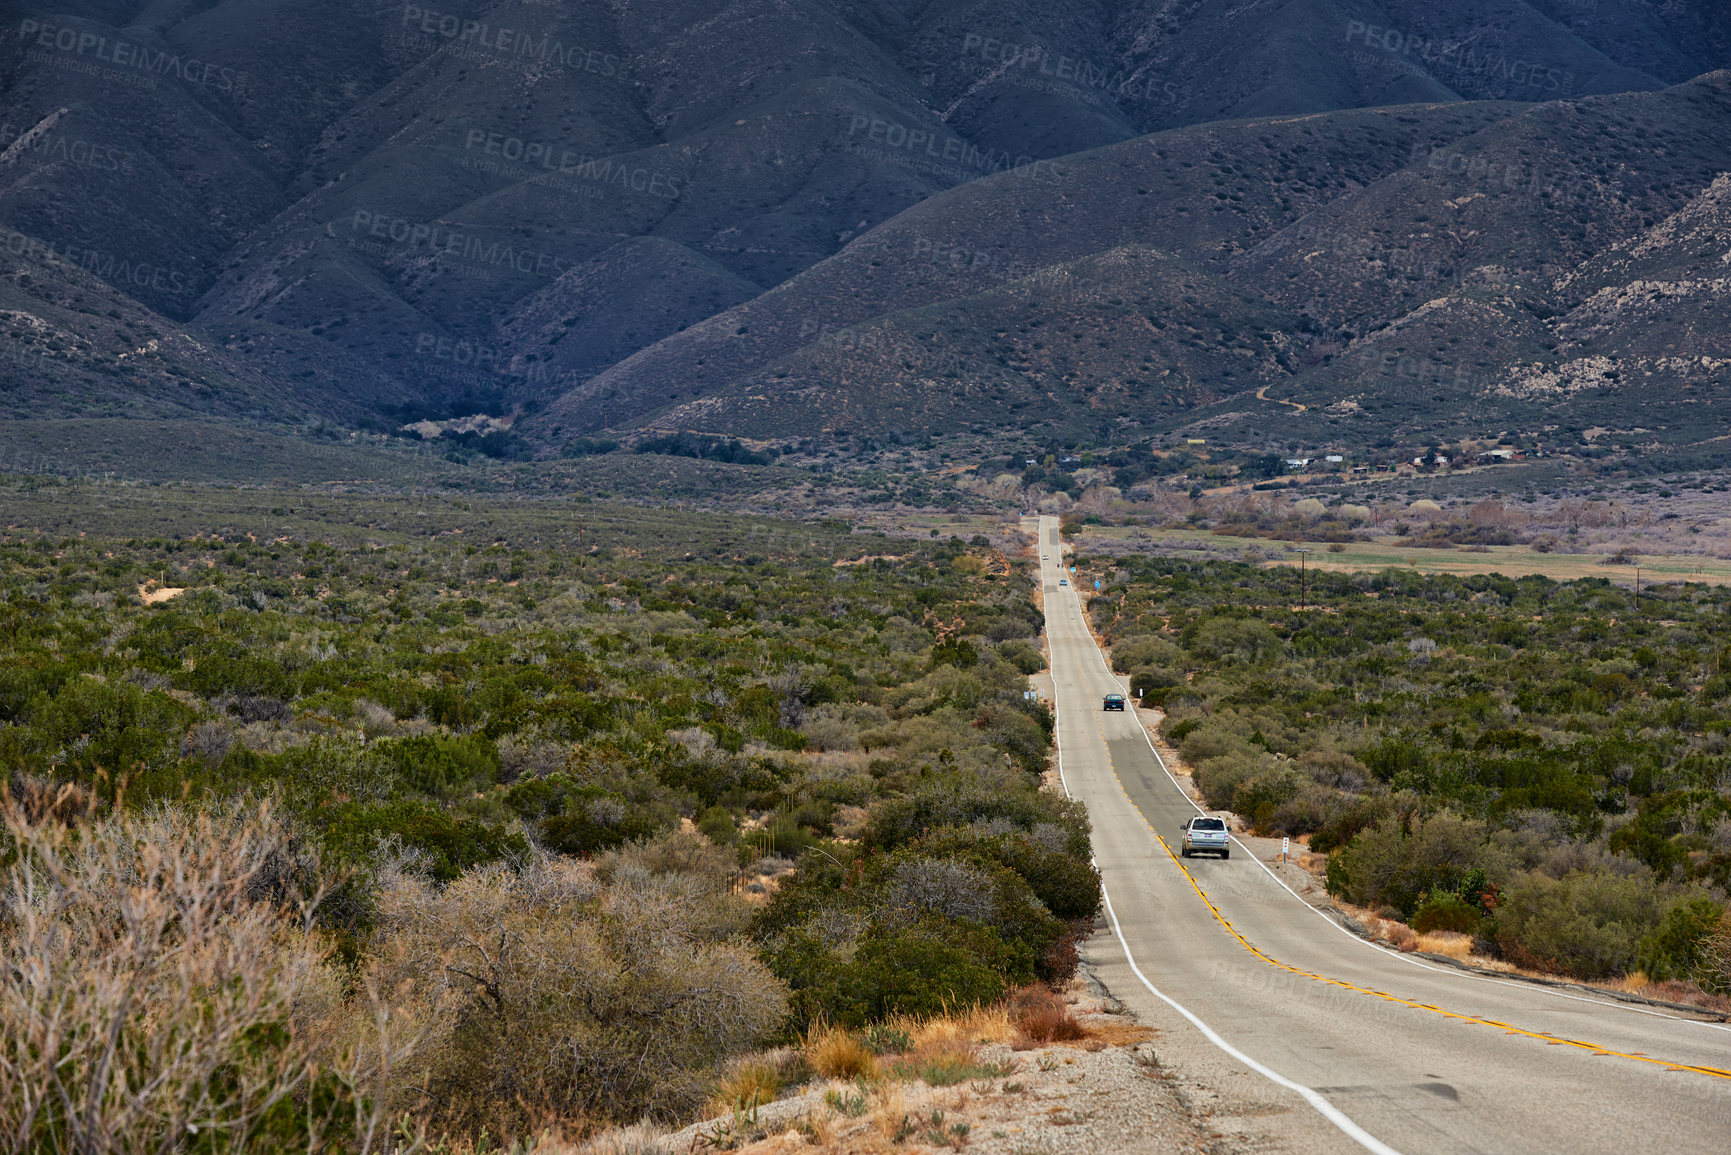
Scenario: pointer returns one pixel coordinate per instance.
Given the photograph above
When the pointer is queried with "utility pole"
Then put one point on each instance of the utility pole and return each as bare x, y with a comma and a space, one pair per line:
1301, 553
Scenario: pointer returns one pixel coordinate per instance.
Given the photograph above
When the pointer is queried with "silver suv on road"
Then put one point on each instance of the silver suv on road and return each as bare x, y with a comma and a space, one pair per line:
1205, 835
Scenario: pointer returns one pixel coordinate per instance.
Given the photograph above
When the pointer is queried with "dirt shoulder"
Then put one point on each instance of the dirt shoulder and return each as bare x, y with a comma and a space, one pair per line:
1108, 1092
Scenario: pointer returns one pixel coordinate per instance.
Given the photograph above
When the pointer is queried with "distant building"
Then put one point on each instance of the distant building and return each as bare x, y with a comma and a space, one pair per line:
1196, 441
1297, 462
1334, 459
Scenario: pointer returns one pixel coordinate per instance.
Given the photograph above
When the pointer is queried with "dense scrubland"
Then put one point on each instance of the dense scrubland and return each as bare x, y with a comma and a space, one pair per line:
1541, 765
351, 837
353, 846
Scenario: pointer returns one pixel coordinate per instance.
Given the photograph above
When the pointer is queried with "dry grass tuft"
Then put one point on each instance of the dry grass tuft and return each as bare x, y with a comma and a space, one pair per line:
637, 1139
836, 1053
1446, 942
753, 1080
960, 1028
890, 1107
1120, 1034
1634, 983
1041, 1017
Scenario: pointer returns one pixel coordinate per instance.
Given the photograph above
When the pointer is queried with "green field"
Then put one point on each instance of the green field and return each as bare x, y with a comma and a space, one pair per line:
1355, 557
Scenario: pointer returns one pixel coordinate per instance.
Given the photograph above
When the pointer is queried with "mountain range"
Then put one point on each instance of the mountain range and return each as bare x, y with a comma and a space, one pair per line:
774, 220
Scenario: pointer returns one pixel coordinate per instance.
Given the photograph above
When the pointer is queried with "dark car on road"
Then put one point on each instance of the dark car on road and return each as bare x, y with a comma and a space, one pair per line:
1113, 702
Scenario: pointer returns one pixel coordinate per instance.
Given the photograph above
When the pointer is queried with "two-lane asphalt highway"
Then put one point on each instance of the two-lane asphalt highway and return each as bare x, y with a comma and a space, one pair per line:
1352, 1045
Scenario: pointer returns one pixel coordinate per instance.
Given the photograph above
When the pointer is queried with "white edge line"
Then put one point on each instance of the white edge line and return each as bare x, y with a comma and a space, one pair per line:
1608, 1004
1323, 1107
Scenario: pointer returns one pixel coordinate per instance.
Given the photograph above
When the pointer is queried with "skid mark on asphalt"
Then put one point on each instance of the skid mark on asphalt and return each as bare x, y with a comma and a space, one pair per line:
1509, 1028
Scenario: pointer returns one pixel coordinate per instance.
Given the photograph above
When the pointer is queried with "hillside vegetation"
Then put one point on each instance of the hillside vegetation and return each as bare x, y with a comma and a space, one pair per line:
688, 791
1541, 765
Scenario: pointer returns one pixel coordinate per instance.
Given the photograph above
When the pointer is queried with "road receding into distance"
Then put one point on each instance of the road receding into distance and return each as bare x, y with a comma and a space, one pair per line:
1320, 1041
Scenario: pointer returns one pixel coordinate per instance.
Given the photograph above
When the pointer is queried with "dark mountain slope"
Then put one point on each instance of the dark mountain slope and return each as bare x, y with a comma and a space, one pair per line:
326, 186
1403, 266
633, 294
1133, 334
1207, 193
1521, 201
70, 345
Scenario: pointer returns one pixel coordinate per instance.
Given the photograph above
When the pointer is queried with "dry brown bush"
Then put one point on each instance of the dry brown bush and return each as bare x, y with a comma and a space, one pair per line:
836, 1053
160, 987
41, 802
554, 999
1042, 1017
673, 852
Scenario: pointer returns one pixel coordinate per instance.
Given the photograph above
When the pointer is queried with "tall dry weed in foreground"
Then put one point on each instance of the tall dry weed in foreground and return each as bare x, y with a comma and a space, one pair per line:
556, 999
162, 989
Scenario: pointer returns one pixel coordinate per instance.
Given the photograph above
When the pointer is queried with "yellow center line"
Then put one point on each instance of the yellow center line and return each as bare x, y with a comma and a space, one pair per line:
1548, 1039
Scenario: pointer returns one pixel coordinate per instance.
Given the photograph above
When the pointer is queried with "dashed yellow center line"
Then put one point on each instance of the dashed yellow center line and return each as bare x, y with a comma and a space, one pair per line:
1548, 1039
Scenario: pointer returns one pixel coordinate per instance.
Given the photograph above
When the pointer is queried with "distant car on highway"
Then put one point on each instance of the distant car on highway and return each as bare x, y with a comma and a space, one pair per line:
1112, 702
1063, 581
1204, 835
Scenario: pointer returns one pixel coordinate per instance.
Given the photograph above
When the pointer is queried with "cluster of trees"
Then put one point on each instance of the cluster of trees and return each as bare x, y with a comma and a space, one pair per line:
480, 769
1544, 765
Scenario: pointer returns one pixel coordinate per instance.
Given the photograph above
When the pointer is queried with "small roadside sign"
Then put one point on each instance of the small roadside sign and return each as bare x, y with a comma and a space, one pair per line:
1285, 845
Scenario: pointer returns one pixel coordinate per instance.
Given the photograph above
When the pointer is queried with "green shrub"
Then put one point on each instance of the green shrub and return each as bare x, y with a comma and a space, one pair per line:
882, 1039
592, 819
1150, 683
437, 763
1218, 740
450, 844
1220, 777
782, 836
1395, 756
1344, 824
1260, 796
91, 725
1176, 732
716, 824
1145, 651
1678, 948
1395, 864
913, 974
1310, 808
1234, 639
1443, 910
967, 897
1067, 884
898, 821
1588, 925
1022, 656
958, 652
